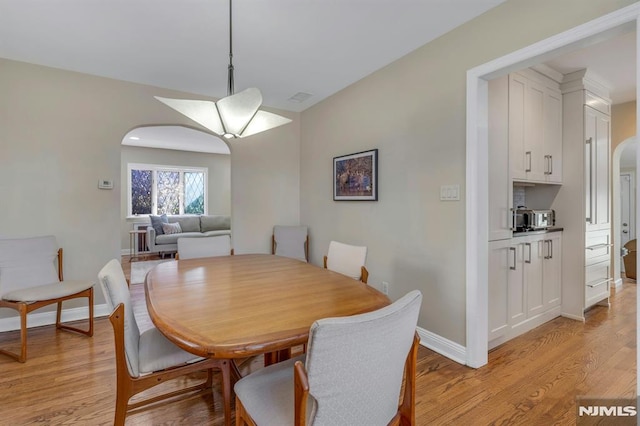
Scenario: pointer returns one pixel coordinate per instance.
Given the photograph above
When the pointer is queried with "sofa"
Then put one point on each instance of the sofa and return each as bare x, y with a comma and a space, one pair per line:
189, 226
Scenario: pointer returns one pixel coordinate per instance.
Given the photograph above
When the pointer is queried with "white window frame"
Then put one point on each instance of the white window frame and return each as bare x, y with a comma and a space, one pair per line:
155, 168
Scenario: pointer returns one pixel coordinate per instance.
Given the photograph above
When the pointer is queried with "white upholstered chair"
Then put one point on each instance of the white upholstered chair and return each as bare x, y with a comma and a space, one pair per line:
29, 280
359, 384
290, 241
194, 248
347, 260
147, 359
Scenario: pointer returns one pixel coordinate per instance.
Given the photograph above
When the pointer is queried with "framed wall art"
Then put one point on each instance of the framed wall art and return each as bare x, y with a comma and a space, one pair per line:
355, 176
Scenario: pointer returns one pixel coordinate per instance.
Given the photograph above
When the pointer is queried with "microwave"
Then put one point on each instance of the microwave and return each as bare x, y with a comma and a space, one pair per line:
530, 219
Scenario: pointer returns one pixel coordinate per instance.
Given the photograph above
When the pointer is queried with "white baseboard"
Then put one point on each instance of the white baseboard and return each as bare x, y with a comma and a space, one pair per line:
617, 283
39, 319
436, 343
444, 347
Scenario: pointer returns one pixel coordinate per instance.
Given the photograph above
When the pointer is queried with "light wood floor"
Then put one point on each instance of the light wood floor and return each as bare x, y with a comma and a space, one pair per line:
533, 379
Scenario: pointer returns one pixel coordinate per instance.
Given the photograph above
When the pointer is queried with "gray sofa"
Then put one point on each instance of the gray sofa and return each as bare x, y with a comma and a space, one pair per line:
193, 226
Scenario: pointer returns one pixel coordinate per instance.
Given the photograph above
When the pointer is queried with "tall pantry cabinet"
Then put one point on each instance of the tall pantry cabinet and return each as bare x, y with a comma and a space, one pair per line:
525, 146
586, 194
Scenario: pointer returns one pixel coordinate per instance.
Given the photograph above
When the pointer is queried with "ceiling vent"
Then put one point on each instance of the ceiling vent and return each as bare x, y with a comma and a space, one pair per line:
300, 97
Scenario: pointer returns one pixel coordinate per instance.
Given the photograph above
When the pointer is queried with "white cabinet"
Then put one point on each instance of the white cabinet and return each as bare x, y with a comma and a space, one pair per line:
500, 190
552, 272
535, 128
524, 284
597, 165
502, 257
585, 193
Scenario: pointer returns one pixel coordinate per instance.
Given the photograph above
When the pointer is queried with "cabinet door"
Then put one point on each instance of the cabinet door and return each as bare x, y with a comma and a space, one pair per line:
519, 160
552, 270
552, 146
500, 189
502, 257
597, 166
534, 131
533, 253
516, 296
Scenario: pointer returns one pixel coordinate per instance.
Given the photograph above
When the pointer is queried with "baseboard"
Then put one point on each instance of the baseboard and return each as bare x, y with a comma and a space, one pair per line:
49, 318
444, 347
617, 283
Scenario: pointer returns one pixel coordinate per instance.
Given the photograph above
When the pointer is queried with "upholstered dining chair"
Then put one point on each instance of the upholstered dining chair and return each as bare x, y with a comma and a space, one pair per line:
290, 241
347, 260
147, 359
29, 280
194, 248
360, 384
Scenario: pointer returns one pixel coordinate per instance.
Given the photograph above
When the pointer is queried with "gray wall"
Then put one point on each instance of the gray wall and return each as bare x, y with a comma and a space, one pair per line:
219, 179
414, 112
60, 132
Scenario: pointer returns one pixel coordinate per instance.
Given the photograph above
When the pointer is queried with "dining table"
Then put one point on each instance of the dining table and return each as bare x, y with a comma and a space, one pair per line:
238, 306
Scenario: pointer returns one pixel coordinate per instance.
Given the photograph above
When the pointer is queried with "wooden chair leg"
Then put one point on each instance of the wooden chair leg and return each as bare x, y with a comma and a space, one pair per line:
23, 333
87, 332
121, 408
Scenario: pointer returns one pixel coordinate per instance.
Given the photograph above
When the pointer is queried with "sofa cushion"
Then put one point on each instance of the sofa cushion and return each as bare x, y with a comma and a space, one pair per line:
157, 221
214, 223
188, 223
171, 228
173, 238
214, 233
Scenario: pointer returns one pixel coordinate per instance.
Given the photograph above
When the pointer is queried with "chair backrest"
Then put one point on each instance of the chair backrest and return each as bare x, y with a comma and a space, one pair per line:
193, 248
27, 262
290, 241
346, 259
355, 364
116, 291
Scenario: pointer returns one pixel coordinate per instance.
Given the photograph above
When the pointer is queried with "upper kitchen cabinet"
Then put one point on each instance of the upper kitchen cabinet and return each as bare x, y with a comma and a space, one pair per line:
535, 128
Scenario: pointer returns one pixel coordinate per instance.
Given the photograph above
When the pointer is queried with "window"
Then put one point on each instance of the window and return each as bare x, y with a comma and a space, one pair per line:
167, 190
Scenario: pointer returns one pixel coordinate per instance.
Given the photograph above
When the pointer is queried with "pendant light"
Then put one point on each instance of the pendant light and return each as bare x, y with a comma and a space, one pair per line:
235, 116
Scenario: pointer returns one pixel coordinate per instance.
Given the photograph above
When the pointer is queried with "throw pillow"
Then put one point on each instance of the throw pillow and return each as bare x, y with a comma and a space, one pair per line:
171, 228
157, 221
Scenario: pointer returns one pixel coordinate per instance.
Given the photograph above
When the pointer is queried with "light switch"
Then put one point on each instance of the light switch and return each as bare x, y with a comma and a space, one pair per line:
450, 193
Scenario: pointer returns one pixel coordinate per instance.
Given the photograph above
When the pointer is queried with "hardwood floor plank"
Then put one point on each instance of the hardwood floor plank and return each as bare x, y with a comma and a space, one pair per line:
533, 379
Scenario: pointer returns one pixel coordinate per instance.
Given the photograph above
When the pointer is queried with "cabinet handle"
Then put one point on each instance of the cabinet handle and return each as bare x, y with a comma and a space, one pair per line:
549, 244
599, 246
513, 268
529, 247
589, 180
512, 213
547, 167
551, 164
600, 283
528, 154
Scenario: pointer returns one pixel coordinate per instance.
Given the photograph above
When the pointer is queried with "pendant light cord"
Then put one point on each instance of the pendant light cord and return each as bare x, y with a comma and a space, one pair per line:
230, 88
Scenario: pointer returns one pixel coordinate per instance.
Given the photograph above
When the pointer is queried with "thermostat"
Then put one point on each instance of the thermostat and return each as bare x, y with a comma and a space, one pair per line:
105, 184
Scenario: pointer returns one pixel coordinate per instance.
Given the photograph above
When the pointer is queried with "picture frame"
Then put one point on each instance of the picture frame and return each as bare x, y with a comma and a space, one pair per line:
355, 176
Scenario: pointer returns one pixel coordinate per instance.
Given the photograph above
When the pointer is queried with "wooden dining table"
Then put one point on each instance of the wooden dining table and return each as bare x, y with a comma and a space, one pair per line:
243, 305
238, 306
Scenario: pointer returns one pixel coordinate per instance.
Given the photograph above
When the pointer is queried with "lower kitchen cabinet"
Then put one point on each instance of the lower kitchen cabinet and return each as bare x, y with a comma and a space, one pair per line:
525, 276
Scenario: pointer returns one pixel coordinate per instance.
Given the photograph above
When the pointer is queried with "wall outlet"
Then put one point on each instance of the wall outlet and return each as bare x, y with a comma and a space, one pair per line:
385, 287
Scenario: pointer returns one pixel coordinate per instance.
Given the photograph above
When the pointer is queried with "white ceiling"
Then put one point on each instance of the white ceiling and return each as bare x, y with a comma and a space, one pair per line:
281, 47
613, 60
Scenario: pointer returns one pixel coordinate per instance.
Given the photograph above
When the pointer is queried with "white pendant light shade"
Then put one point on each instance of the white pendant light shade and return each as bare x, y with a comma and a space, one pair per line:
204, 113
262, 121
235, 116
236, 111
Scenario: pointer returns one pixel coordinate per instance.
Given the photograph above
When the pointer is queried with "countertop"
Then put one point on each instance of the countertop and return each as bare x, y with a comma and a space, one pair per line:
536, 232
